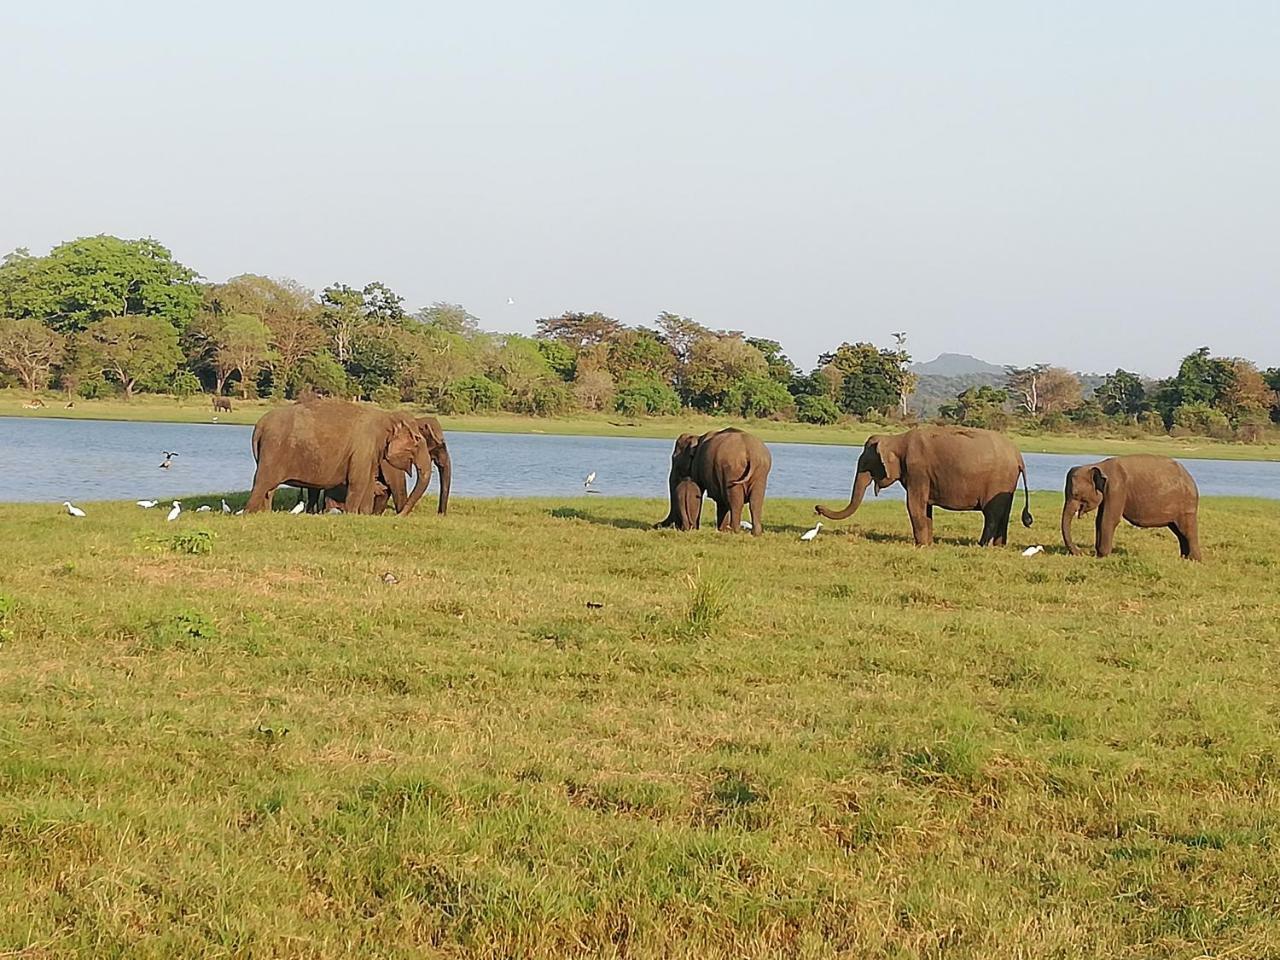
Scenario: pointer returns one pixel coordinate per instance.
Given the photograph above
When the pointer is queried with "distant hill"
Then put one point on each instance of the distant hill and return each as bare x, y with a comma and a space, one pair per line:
956, 365
951, 373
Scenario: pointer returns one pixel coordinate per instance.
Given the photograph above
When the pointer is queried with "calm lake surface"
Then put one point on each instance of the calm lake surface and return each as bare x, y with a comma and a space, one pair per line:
83, 460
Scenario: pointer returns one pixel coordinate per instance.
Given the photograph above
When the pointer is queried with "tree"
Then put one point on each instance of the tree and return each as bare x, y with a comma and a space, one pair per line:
640, 396
594, 389
1059, 391
1024, 384
30, 350
1201, 379
344, 311
579, 330
680, 334
813, 408
287, 308
977, 407
1122, 394
448, 317
909, 379
1248, 393
714, 362
870, 379
130, 349
758, 396
87, 280
245, 348
640, 352
781, 369
519, 365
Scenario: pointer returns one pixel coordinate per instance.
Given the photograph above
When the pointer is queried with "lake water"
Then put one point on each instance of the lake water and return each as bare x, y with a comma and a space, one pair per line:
55, 460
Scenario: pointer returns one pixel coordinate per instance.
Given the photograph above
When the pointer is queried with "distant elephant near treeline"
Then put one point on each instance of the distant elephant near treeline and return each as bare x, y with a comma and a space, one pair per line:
221, 403
730, 466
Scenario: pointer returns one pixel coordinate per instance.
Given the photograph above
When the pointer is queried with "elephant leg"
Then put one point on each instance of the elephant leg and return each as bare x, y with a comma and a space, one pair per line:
1105, 529
757, 509
737, 497
921, 524
264, 485
722, 515
1188, 534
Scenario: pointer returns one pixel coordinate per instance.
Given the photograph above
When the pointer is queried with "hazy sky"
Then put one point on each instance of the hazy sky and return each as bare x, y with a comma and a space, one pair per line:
1093, 183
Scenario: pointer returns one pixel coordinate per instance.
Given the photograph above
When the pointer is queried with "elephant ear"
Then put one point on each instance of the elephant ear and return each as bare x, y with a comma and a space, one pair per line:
1099, 480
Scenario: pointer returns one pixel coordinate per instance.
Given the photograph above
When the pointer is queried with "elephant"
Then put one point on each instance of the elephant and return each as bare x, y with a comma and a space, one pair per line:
336, 499
956, 468
433, 450
1145, 489
330, 443
731, 466
221, 403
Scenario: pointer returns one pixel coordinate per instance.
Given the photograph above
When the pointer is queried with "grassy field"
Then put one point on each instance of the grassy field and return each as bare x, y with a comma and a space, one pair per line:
199, 410
561, 733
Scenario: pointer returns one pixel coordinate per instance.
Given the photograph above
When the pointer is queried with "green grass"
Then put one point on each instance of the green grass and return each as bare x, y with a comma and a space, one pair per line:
561, 733
199, 410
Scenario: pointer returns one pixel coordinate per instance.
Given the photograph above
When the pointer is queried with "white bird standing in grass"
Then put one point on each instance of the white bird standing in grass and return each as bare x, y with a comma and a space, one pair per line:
1032, 551
203, 508
225, 507
74, 511
302, 505
173, 514
147, 504
745, 525
810, 534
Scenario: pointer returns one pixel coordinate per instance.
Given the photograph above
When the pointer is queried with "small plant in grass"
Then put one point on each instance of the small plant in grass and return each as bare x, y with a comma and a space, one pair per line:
708, 603
188, 630
197, 543
7, 606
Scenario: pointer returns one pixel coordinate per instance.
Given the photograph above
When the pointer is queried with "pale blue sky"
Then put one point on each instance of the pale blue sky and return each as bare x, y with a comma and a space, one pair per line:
1093, 184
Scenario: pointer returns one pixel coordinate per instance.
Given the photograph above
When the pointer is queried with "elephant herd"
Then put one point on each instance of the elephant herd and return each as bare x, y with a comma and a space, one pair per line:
356, 458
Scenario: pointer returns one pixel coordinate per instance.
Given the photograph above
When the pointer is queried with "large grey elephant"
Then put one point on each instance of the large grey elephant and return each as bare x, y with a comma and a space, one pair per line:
956, 468
330, 443
394, 481
1146, 490
731, 466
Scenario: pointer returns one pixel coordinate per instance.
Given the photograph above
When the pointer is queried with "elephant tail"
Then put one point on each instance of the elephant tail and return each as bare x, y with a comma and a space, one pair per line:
747, 477
1026, 494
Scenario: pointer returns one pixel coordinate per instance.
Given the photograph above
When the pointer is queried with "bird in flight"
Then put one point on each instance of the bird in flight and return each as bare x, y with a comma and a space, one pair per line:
74, 511
590, 479
168, 458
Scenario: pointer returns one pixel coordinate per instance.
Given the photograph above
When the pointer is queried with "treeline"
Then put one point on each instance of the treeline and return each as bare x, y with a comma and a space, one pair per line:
101, 316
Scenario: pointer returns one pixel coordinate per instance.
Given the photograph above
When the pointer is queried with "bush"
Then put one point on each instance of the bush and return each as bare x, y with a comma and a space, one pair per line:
95, 388
321, 374
760, 397
644, 396
473, 394
1203, 420
184, 384
1151, 422
550, 400
385, 395
817, 409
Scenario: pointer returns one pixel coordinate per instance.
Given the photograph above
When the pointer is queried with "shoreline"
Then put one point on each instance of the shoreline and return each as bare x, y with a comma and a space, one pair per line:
150, 410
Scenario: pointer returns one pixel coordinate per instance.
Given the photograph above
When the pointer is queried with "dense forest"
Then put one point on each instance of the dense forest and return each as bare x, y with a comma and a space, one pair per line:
100, 316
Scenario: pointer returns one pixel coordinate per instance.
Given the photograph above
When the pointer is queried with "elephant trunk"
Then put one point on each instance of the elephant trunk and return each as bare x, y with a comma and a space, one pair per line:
861, 480
445, 465
1069, 511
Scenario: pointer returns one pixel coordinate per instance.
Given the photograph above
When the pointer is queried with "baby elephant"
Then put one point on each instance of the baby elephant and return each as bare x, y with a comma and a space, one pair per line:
1148, 491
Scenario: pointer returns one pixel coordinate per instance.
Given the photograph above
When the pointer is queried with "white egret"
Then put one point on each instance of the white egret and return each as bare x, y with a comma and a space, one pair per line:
203, 508
1032, 551
745, 525
74, 511
240, 511
147, 504
225, 507
302, 505
810, 534
173, 514
590, 479
510, 302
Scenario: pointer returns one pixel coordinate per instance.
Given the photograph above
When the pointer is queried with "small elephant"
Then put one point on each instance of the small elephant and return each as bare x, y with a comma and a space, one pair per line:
336, 499
730, 466
1146, 490
222, 403
956, 468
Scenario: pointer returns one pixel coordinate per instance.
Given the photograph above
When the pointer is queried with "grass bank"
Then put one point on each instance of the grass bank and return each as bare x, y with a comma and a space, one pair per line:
560, 733
199, 410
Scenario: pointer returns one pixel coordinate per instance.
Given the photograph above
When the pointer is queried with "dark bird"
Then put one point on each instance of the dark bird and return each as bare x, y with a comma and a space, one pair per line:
168, 457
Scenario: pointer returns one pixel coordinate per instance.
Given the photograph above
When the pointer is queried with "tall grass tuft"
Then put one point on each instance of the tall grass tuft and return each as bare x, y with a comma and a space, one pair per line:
708, 601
